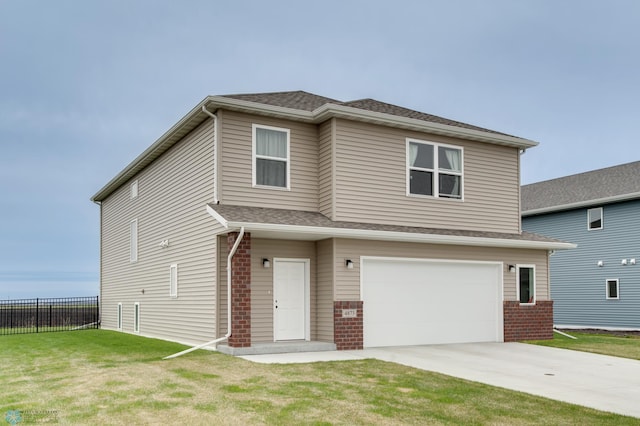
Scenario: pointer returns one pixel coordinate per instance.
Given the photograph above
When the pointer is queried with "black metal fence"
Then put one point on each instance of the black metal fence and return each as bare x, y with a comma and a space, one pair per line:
43, 315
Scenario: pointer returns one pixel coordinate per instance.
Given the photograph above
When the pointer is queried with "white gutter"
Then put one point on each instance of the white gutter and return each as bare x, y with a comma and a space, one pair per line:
215, 153
226, 336
369, 234
580, 204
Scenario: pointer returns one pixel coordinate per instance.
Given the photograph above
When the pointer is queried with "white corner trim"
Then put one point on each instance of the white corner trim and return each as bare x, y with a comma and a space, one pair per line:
217, 217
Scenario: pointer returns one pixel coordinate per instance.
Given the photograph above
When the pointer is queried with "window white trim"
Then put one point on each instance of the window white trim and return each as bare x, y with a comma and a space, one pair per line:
606, 288
136, 317
532, 298
436, 169
255, 156
119, 317
133, 241
133, 190
589, 220
173, 281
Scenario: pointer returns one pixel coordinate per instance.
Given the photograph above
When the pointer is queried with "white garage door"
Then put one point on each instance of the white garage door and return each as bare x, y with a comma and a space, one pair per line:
417, 302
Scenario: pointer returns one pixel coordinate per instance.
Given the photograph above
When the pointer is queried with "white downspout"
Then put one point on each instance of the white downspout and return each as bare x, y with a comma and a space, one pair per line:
226, 336
215, 153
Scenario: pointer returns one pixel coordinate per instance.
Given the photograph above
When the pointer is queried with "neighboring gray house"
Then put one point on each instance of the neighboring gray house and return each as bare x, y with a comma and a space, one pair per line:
596, 285
348, 224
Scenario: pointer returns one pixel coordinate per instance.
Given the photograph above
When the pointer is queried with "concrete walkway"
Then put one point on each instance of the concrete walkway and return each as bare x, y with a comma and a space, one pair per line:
598, 381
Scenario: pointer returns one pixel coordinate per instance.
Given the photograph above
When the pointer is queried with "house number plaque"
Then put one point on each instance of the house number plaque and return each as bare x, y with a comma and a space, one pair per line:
349, 313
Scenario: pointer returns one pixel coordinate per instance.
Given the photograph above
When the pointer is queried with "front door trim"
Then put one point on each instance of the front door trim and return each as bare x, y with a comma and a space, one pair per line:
307, 295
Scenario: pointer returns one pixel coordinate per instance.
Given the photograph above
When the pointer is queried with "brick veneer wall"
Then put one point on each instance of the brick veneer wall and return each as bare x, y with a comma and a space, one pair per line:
240, 291
347, 332
528, 322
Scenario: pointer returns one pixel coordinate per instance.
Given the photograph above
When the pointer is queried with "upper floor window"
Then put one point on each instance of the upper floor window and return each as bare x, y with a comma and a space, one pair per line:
270, 156
133, 240
434, 169
173, 280
594, 218
134, 190
526, 286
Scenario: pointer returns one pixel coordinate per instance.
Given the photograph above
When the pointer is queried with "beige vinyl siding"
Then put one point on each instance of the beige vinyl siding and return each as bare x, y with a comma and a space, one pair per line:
325, 288
171, 205
325, 168
348, 280
221, 311
235, 144
370, 172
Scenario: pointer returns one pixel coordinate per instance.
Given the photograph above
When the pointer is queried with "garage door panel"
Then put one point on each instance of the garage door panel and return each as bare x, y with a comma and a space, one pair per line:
410, 302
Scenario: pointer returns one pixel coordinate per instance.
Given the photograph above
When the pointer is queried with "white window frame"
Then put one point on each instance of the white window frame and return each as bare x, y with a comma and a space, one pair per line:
173, 281
133, 241
119, 317
436, 169
589, 218
254, 157
133, 189
136, 317
533, 299
606, 288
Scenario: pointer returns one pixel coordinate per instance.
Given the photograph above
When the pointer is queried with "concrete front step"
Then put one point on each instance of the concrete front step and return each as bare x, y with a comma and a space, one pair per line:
278, 348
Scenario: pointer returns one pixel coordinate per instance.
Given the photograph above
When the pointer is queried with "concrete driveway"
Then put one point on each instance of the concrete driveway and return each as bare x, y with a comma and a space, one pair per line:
598, 381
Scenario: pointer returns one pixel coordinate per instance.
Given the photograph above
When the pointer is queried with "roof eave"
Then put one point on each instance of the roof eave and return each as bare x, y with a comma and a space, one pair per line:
364, 234
582, 204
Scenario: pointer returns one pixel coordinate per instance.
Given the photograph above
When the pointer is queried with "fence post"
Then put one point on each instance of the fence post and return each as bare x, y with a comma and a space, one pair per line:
37, 313
97, 321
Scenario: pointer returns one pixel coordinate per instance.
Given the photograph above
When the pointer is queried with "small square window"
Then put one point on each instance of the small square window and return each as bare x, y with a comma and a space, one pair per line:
613, 290
595, 218
526, 286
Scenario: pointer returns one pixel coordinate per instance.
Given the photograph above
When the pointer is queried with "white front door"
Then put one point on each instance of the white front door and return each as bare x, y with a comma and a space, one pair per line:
291, 299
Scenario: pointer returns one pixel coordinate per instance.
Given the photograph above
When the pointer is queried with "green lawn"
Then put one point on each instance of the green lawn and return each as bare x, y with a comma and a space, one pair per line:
101, 377
606, 344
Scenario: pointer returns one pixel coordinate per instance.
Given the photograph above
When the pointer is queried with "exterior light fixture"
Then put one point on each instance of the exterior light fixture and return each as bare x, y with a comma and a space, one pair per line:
624, 262
632, 261
600, 263
512, 268
349, 264
266, 263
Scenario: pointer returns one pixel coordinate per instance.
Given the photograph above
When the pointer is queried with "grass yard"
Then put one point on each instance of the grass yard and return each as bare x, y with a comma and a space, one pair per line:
606, 344
102, 377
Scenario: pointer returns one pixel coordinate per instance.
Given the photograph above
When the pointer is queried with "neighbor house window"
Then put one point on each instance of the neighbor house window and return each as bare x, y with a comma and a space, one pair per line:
613, 289
119, 319
173, 281
270, 156
594, 218
133, 240
136, 317
434, 169
134, 190
526, 285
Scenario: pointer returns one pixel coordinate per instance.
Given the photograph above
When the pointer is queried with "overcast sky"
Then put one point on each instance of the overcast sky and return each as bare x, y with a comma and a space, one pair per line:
86, 86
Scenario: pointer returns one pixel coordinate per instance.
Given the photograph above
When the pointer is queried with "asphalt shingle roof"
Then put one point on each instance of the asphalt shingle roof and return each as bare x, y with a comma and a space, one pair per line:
610, 182
244, 214
308, 102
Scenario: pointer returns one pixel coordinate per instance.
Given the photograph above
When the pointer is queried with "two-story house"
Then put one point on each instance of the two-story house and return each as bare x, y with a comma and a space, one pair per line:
262, 219
597, 285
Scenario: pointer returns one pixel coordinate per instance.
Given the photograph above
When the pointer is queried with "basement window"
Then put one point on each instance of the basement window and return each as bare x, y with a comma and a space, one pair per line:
526, 285
136, 317
613, 290
119, 318
173, 281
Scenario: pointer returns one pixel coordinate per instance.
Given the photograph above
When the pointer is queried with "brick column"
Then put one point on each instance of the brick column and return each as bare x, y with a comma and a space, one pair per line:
528, 322
240, 291
347, 329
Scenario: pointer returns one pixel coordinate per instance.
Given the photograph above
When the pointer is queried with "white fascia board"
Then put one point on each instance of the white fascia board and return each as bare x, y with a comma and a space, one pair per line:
581, 204
368, 234
332, 110
217, 216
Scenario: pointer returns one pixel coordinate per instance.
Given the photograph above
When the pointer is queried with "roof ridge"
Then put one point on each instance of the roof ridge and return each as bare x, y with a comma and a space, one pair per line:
588, 172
